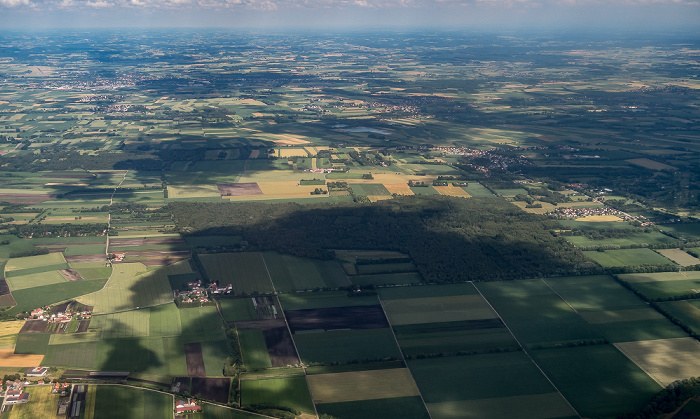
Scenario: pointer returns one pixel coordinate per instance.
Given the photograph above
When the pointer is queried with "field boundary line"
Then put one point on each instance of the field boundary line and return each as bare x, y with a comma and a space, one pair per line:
522, 347
403, 358
289, 330
559, 295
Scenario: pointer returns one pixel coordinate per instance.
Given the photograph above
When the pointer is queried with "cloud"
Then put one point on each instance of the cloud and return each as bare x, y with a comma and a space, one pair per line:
14, 3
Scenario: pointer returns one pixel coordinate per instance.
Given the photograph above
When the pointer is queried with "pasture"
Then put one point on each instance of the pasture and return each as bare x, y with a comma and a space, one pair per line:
290, 392
403, 407
448, 382
577, 373
31, 298
111, 401
245, 271
627, 257
291, 273
362, 385
346, 346
132, 285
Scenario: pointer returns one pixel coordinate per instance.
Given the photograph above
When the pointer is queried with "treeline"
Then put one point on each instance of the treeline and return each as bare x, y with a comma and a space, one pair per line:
449, 239
57, 230
668, 399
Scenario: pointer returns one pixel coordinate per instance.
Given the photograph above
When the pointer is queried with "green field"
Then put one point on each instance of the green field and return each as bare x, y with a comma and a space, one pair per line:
577, 372
132, 285
477, 190
346, 346
627, 257
653, 237
369, 189
35, 280
400, 407
245, 271
237, 309
31, 298
212, 411
666, 285
32, 343
290, 392
302, 301
254, 349
112, 401
35, 264
448, 383
535, 313
385, 268
387, 279
291, 273
201, 324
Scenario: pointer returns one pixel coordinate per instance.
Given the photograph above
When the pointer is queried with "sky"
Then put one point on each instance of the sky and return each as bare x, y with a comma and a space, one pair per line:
492, 15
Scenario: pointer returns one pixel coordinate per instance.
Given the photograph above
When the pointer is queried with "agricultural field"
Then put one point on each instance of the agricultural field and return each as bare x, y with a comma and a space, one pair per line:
626, 257
664, 285
290, 273
42, 404
289, 392
452, 386
105, 401
246, 271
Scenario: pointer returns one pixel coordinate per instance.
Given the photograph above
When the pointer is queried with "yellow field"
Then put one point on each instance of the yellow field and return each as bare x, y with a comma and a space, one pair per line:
599, 218
311, 151
398, 188
8, 358
613, 316
651, 164
282, 138
375, 198
292, 152
191, 191
452, 191
42, 404
10, 328
665, 360
362, 385
680, 257
288, 188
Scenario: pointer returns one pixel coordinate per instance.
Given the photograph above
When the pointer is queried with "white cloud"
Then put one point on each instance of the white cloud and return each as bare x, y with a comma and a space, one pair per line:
14, 3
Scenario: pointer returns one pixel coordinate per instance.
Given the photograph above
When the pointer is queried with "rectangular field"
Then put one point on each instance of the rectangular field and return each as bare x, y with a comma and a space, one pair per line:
627, 257
290, 392
245, 271
346, 346
437, 309
337, 318
362, 385
665, 360
400, 407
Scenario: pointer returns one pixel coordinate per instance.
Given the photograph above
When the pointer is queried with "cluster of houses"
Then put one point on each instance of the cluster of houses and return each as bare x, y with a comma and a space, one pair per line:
15, 393
326, 170
586, 212
196, 292
44, 313
189, 406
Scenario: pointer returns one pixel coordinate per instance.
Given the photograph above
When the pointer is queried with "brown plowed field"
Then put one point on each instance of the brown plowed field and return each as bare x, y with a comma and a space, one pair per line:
280, 347
215, 389
71, 275
83, 326
195, 360
239, 189
356, 317
35, 326
4, 288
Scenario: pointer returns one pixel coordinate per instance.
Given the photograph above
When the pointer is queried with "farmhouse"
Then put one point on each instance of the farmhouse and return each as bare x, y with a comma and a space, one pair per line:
15, 393
37, 372
188, 406
118, 256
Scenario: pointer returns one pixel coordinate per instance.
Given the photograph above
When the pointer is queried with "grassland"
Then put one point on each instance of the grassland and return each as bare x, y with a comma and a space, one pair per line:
344, 346
120, 401
577, 373
627, 257
362, 385
254, 349
290, 273
290, 392
132, 286
245, 271
404, 407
